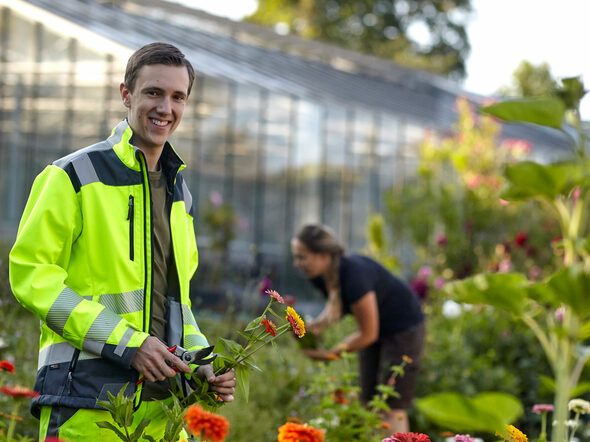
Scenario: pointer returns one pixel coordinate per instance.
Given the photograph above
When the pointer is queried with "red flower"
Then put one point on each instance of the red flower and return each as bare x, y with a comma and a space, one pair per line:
420, 287
270, 326
274, 294
289, 300
210, 426
7, 366
54, 439
410, 437
520, 239
441, 240
339, 396
18, 391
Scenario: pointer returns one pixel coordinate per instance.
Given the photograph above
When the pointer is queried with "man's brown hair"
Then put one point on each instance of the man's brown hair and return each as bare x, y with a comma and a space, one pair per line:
156, 53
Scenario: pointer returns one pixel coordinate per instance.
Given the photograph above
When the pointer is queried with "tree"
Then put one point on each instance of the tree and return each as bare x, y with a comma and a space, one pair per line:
529, 80
425, 34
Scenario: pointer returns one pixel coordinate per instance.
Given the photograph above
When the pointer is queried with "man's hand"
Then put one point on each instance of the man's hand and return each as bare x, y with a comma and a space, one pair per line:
223, 385
150, 360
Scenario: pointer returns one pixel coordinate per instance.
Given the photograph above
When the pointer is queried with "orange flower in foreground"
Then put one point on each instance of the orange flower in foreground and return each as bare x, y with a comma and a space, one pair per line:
274, 294
296, 322
291, 432
210, 426
270, 326
407, 359
7, 366
18, 391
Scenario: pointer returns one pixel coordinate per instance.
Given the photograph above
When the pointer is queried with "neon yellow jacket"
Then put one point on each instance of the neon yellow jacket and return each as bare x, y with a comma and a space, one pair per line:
82, 263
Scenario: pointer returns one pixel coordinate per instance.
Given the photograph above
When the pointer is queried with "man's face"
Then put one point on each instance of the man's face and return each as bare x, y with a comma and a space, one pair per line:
156, 104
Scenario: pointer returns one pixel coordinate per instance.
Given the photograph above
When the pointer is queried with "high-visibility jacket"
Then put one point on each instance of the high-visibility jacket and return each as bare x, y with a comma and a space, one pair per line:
82, 262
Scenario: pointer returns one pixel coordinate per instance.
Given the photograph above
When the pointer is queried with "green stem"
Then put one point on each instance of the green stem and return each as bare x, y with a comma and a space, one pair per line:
13, 420
543, 435
542, 338
575, 427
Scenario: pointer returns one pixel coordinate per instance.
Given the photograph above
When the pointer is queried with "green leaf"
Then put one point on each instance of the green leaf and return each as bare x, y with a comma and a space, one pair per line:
109, 426
501, 290
569, 286
140, 427
253, 324
243, 381
148, 437
487, 412
547, 383
528, 179
580, 389
543, 111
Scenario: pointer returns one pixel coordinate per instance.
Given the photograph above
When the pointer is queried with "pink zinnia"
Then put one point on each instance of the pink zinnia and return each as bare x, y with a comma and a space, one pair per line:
274, 294
463, 438
408, 437
542, 408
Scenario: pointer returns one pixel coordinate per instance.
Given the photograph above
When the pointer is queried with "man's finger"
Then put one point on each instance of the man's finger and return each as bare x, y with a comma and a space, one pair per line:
206, 372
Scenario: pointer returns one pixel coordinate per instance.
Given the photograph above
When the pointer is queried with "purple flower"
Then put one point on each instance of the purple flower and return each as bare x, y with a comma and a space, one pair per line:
559, 314
420, 287
542, 408
216, 198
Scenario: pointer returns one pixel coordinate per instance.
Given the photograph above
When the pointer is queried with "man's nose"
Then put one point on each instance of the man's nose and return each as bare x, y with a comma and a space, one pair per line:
164, 106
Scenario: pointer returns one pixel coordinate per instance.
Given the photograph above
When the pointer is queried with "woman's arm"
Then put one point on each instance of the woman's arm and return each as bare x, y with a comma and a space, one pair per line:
366, 313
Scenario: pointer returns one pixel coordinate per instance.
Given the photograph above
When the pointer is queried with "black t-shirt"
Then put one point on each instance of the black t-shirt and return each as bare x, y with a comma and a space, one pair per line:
399, 307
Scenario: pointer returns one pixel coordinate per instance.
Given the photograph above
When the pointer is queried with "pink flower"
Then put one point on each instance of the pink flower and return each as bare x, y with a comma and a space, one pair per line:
505, 266
424, 272
518, 146
463, 438
264, 285
289, 300
439, 283
503, 202
407, 437
542, 408
274, 294
560, 314
576, 195
441, 240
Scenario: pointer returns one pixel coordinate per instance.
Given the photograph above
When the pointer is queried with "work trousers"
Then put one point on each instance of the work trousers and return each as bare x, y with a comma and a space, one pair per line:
73, 425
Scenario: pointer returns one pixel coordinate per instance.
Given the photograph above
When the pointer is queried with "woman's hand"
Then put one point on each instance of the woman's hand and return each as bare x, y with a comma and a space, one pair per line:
320, 354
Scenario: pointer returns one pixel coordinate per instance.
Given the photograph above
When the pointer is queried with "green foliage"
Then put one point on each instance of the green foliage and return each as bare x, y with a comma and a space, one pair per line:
486, 412
529, 80
120, 408
563, 188
380, 28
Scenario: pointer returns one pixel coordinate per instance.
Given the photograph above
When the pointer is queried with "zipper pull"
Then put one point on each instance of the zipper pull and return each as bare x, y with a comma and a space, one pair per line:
130, 212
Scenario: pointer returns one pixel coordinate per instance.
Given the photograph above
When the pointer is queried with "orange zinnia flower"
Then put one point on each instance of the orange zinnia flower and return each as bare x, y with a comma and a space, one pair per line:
18, 391
270, 326
7, 366
210, 426
274, 294
291, 432
296, 322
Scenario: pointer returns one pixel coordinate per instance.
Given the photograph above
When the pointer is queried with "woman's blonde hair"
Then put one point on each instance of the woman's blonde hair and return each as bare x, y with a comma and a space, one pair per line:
321, 239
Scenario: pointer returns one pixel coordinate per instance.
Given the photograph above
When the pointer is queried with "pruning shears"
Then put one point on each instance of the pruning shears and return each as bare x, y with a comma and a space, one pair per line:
199, 357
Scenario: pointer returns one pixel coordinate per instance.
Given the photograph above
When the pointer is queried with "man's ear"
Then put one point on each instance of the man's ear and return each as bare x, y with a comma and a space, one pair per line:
125, 95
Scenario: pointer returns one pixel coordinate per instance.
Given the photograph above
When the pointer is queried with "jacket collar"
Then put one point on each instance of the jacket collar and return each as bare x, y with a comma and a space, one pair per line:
120, 140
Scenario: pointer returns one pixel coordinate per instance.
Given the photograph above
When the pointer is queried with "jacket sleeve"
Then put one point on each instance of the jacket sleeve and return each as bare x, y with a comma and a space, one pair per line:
38, 263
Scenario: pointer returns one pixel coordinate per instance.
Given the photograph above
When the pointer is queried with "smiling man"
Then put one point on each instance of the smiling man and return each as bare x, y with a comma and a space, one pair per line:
104, 256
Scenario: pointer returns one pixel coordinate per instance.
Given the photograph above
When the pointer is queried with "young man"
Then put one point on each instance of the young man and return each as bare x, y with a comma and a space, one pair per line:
104, 255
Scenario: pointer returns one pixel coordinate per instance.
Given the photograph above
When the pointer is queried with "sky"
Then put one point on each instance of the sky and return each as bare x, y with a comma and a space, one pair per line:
502, 33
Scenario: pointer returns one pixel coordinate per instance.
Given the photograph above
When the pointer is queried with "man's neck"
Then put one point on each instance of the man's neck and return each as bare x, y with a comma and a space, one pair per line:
152, 157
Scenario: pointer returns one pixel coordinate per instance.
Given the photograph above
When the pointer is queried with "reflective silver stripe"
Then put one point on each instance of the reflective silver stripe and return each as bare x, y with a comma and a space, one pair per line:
191, 341
84, 169
56, 354
85, 355
188, 198
123, 342
188, 317
100, 330
61, 309
122, 303
118, 133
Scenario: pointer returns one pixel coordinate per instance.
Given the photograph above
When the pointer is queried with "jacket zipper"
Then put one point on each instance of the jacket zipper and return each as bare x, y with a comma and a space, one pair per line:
68, 384
130, 219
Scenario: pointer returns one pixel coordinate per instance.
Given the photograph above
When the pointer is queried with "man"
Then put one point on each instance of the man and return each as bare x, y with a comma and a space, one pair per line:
104, 255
